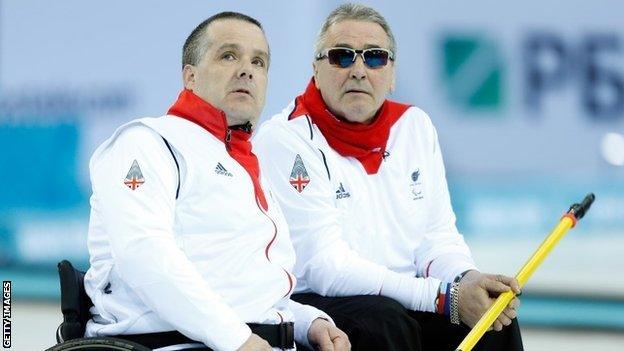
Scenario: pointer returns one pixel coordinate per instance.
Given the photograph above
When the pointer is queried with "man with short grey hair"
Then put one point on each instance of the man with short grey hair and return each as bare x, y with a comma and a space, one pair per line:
362, 185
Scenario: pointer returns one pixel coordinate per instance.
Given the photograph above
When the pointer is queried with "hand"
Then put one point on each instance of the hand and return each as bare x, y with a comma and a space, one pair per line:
325, 336
478, 291
255, 343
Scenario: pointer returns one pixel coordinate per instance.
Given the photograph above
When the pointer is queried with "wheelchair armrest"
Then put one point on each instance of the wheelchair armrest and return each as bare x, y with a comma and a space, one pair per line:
75, 302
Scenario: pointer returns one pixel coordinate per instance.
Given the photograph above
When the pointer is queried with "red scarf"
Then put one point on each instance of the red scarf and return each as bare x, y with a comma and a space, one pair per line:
365, 142
191, 107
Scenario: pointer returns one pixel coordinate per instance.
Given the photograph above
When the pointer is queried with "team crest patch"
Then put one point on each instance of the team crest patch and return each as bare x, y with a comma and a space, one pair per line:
299, 178
416, 185
134, 178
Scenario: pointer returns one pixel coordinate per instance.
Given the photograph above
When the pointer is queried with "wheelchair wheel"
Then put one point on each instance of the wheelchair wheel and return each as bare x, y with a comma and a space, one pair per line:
98, 344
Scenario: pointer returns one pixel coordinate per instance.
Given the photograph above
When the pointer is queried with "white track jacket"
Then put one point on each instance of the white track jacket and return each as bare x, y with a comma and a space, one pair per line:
179, 241
391, 233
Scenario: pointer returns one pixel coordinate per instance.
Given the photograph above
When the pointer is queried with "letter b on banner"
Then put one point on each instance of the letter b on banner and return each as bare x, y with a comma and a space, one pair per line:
603, 91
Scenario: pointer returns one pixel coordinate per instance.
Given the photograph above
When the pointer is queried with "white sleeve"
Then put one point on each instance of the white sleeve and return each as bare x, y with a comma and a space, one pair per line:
324, 259
443, 253
304, 316
145, 253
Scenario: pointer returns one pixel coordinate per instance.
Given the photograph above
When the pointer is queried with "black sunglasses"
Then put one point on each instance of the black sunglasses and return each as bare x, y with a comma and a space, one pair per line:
345, 57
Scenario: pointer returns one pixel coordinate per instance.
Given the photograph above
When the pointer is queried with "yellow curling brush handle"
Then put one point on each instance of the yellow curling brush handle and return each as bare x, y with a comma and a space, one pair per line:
568, 221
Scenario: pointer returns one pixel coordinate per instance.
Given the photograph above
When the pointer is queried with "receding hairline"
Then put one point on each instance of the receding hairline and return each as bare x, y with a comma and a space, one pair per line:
356, 13
205, 36
367, 45
198, 42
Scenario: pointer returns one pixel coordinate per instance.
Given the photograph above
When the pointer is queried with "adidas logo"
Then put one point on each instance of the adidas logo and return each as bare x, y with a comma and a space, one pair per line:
341, 193
222, 171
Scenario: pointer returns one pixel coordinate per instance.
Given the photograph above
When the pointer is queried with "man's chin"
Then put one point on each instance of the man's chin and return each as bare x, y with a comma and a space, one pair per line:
359, 114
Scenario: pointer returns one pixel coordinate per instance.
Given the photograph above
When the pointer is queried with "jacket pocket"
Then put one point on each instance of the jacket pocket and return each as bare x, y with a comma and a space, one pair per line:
102, 297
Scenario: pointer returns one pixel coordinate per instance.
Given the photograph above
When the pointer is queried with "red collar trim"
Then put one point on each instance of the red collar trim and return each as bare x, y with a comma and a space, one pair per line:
365, 142
193, 108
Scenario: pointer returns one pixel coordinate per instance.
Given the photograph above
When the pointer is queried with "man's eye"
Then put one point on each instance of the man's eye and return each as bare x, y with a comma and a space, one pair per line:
258, 62
228, 56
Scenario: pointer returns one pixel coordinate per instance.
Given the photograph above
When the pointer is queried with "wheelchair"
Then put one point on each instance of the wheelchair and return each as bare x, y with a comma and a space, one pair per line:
75, 304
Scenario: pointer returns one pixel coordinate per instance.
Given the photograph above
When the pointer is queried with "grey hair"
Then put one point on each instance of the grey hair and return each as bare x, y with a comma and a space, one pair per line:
355, 12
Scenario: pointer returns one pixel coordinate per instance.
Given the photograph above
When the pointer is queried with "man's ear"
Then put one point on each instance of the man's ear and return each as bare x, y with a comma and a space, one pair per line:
393, 84
188, 77
315, 71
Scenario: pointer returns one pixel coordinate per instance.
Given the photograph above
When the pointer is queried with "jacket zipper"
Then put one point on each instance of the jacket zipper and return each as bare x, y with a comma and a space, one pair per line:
228, 138
266, 251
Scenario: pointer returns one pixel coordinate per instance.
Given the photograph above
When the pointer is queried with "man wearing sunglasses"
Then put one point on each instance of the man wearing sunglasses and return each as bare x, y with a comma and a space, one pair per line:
362, 185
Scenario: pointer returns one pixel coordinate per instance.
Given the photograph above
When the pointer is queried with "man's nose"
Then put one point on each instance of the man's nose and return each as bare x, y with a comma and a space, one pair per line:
245, 71
358, 69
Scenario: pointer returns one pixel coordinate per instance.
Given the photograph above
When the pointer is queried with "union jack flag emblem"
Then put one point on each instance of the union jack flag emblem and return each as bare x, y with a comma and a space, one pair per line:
299, 178
134, 178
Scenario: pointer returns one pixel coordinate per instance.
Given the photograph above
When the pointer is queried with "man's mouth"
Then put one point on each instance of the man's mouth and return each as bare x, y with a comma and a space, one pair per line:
242, 91
358, 91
